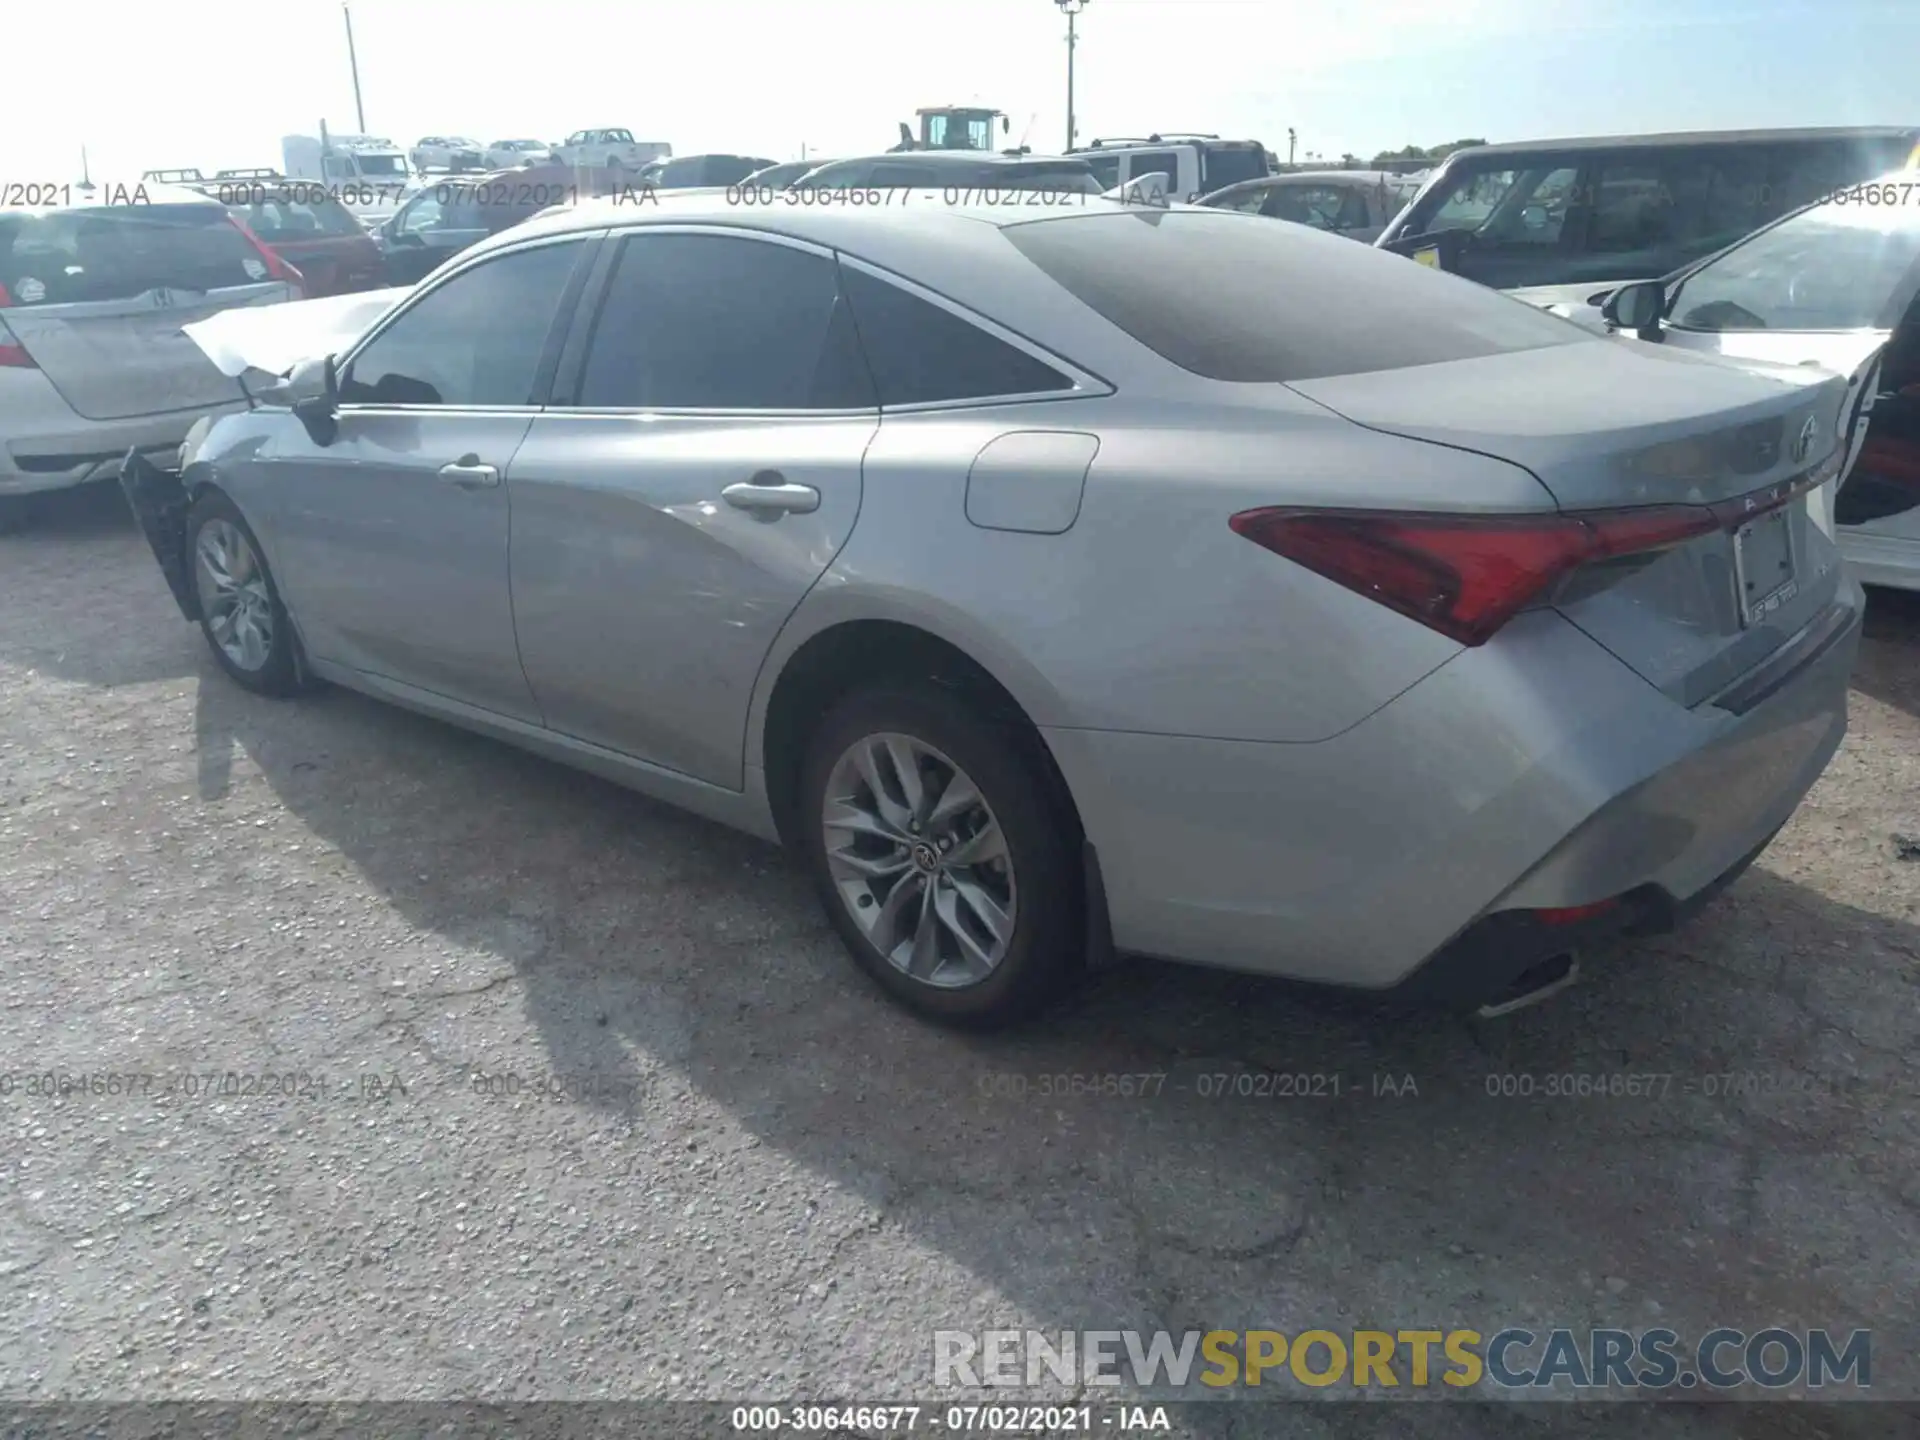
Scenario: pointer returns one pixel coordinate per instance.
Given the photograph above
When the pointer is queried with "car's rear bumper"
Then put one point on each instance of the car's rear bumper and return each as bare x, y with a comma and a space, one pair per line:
1536, 773
57, 455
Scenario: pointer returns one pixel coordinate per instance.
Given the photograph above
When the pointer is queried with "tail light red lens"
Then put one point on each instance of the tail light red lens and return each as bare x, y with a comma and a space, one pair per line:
276, 267
13, 355
1463, 575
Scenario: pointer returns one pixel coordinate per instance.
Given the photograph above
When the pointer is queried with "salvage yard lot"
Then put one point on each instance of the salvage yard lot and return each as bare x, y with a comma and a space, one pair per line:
772, 1184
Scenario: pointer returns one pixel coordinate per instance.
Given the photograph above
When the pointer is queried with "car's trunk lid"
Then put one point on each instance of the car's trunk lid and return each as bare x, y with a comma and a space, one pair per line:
1604, 426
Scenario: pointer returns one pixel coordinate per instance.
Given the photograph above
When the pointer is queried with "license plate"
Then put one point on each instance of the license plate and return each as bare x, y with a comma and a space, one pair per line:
1763, 565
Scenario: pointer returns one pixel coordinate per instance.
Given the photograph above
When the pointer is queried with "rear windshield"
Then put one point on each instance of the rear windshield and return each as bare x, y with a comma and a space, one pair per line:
1839, 266
1229, 166
289, 216
122, 251
1236, 297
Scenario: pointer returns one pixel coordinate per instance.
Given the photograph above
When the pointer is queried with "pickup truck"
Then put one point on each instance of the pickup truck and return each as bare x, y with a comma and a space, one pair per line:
608, 149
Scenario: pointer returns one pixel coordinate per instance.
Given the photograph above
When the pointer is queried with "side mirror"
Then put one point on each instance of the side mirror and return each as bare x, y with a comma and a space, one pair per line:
1639, 307
312, 392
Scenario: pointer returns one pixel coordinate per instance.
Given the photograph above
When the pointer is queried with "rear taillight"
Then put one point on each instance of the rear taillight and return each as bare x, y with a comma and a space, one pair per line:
1464, 575
276, 267
13, 355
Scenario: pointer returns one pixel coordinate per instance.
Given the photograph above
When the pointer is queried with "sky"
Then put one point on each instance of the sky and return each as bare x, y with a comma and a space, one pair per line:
216, 83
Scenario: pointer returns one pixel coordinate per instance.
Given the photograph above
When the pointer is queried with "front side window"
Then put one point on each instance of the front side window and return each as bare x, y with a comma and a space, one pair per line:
722, 322
1523, 208
619, 137
1260, 303
1225, 165
1316, 205
921, 354
1835, 267
476, 339
1248, 202
1664, 209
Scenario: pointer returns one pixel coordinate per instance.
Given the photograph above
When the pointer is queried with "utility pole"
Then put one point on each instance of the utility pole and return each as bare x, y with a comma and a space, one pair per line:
359, 111
1291, 140
1072, 9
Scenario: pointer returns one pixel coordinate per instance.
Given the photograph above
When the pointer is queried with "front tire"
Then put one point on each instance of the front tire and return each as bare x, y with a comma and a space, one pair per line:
241, 614
946, 854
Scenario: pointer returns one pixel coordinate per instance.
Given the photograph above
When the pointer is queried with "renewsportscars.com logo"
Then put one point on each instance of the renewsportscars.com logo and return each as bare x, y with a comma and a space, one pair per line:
1514, 1359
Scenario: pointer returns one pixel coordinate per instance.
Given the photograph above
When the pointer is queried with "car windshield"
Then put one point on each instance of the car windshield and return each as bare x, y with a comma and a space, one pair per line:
394, 165
1834, 267
121, 251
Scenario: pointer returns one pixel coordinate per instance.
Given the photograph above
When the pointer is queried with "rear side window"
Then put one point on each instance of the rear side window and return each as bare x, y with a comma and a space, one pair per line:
1224, 166
1106, 169
1148, 162
119, 252
1662, 209
475, 339
1234, 298
921, 354
722, 322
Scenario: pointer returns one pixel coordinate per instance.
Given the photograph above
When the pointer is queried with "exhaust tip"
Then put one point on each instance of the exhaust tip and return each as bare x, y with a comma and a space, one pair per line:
1536, 983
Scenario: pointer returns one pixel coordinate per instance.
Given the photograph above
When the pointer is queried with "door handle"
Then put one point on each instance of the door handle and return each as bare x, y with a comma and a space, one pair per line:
771, 495
469, 474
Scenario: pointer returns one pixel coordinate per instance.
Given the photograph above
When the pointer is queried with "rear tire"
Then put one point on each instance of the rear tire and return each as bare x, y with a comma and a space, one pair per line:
241, 613
907, 790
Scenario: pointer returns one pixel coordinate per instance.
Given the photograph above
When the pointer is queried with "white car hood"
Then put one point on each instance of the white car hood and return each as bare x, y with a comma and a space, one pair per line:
275, 338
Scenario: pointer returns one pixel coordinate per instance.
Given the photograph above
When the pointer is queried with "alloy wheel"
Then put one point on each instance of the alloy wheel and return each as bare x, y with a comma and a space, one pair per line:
919, 860
233, 594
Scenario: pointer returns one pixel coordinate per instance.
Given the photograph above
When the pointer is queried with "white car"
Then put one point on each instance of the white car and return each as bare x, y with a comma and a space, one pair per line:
512, 154
609, 149
448, 152
1834, 285
94, 290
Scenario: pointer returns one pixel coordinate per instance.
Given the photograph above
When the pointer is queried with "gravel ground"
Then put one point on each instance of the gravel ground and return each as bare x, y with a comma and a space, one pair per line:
776, 1186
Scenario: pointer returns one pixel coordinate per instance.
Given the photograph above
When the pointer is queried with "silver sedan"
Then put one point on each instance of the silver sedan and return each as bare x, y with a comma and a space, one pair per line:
1065, 579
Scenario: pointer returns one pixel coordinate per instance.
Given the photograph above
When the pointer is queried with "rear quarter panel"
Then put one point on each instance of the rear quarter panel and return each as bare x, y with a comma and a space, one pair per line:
1148, 614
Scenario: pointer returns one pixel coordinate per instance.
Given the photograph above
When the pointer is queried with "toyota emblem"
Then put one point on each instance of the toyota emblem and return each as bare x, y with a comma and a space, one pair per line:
1803, 442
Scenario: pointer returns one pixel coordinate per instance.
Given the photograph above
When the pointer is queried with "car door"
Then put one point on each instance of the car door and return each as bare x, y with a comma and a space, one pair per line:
390, 542
697, 470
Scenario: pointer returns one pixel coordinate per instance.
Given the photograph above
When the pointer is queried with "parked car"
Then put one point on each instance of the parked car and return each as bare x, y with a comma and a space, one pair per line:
779, 177
957, 171
1194, 165
1836, 284
447, 217
302, 223
1441, 700
95, 283
609, 149
1355, 203
506, 154
1630, 207
448, 152
704, 171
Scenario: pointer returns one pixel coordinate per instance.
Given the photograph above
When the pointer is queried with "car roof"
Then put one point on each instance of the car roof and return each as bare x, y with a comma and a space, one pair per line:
1680, 138
958, 158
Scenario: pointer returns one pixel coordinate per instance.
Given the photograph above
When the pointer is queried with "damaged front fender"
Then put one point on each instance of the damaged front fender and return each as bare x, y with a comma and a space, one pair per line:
160, 500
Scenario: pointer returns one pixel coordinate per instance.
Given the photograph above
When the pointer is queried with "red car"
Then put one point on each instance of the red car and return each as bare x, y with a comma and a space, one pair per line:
305, 225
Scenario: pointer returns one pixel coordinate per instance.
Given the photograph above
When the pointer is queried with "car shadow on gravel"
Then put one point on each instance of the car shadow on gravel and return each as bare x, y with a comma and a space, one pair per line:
1174, 1148
1889, 668
106, 642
